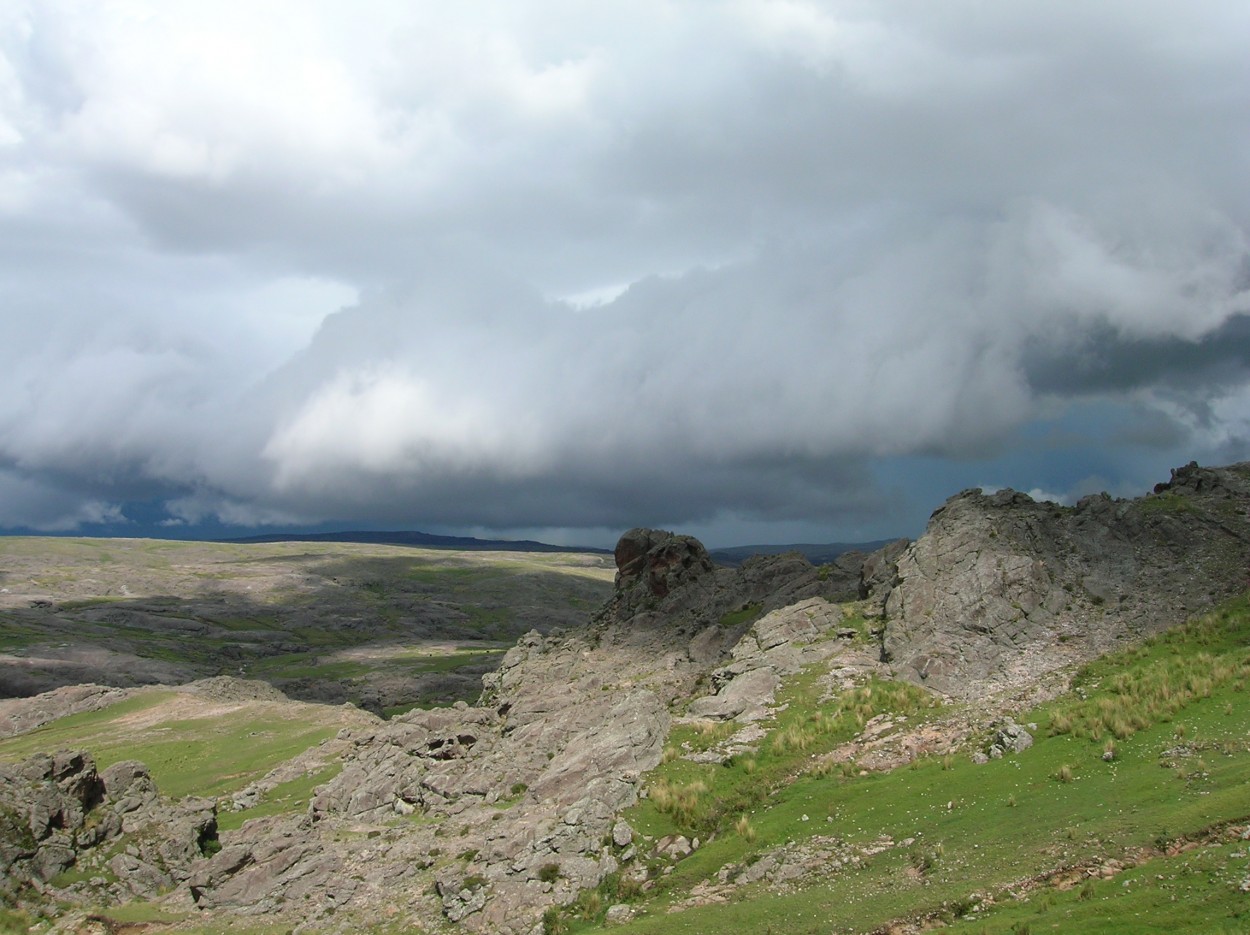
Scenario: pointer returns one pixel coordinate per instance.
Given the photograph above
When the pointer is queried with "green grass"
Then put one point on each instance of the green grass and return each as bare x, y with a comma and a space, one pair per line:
298, 596
248, 624
1151, 683
409, 660
200, 756
1165, 503
857, 622
986, 828
15, 634
222, 925
142, 912
699, 799
397, 710
306, 665
285, 798
68, 730
424, 661
1197, 891
749, 613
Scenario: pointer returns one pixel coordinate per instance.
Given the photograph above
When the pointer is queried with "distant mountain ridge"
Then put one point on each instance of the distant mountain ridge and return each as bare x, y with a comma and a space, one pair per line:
816, 553
734, 555
422, 539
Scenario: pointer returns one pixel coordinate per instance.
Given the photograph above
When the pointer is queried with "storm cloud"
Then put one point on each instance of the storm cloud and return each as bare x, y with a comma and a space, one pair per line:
767, 268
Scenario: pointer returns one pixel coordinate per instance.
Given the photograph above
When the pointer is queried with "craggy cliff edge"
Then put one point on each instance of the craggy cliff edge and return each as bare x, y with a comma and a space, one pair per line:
1001, 589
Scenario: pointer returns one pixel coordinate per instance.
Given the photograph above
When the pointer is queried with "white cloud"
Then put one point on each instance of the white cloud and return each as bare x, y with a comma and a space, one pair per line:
791, 237
385, 421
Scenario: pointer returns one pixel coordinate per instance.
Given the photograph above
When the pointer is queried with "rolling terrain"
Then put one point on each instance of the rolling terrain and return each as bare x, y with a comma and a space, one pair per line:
385, 627
1035, 718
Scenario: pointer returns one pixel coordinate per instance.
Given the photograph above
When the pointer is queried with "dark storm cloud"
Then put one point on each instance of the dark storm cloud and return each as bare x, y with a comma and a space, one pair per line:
285, 262
1099, 360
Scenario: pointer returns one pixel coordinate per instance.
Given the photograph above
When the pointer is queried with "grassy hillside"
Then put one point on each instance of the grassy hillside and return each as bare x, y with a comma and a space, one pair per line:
192, 744
1129, 814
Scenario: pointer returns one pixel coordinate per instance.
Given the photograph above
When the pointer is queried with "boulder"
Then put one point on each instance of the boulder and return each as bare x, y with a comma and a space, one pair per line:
659, 561
63, 813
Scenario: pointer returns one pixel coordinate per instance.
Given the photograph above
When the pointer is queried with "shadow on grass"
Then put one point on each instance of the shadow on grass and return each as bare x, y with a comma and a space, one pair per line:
320, 623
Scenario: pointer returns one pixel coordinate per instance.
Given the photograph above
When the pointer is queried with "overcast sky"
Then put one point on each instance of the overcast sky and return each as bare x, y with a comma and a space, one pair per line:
761, 270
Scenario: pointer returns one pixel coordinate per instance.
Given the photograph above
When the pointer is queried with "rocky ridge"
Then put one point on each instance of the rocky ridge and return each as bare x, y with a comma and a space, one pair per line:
1002, 591
510, 807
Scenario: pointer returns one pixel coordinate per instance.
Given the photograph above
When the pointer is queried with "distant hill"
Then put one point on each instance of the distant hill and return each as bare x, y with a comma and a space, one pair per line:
424, 540
814, 553
817, 554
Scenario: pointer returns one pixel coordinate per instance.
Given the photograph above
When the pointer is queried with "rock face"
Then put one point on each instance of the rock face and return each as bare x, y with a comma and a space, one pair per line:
57, 812
1002, 589
781, 643
658, 561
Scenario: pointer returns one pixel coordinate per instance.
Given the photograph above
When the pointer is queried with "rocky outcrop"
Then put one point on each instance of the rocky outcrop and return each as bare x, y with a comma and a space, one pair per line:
781, 643
658, 561
489, 814
1002, 589
58, 812
878, 573
19, 715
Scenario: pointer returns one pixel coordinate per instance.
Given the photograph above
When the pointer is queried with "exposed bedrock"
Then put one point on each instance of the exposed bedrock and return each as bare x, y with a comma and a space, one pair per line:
1001, 589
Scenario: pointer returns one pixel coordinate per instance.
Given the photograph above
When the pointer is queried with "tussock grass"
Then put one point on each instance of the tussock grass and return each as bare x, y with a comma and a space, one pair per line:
745, 829
1162, 680
700, 800
1111, 807
684, 803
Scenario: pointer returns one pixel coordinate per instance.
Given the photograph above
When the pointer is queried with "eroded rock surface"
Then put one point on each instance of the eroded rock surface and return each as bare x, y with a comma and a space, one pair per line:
1002, 589
486, 815
782, 643
58, 812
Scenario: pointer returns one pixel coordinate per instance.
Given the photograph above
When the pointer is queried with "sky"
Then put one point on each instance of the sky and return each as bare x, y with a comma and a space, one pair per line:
757, 270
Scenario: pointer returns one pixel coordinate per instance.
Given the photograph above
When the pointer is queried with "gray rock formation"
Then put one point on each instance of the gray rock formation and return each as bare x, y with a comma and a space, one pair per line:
512, 806
1001, 589
878, 573
658, 561
487, 815
58, 812
781, 643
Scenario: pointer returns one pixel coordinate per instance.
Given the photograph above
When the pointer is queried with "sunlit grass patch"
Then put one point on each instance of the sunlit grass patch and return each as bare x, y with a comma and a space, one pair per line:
804, 728
1149, 684
289, 797
205, 755
963, 835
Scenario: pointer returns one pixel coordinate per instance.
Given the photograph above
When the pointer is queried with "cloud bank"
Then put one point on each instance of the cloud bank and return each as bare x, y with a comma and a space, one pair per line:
763, 268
